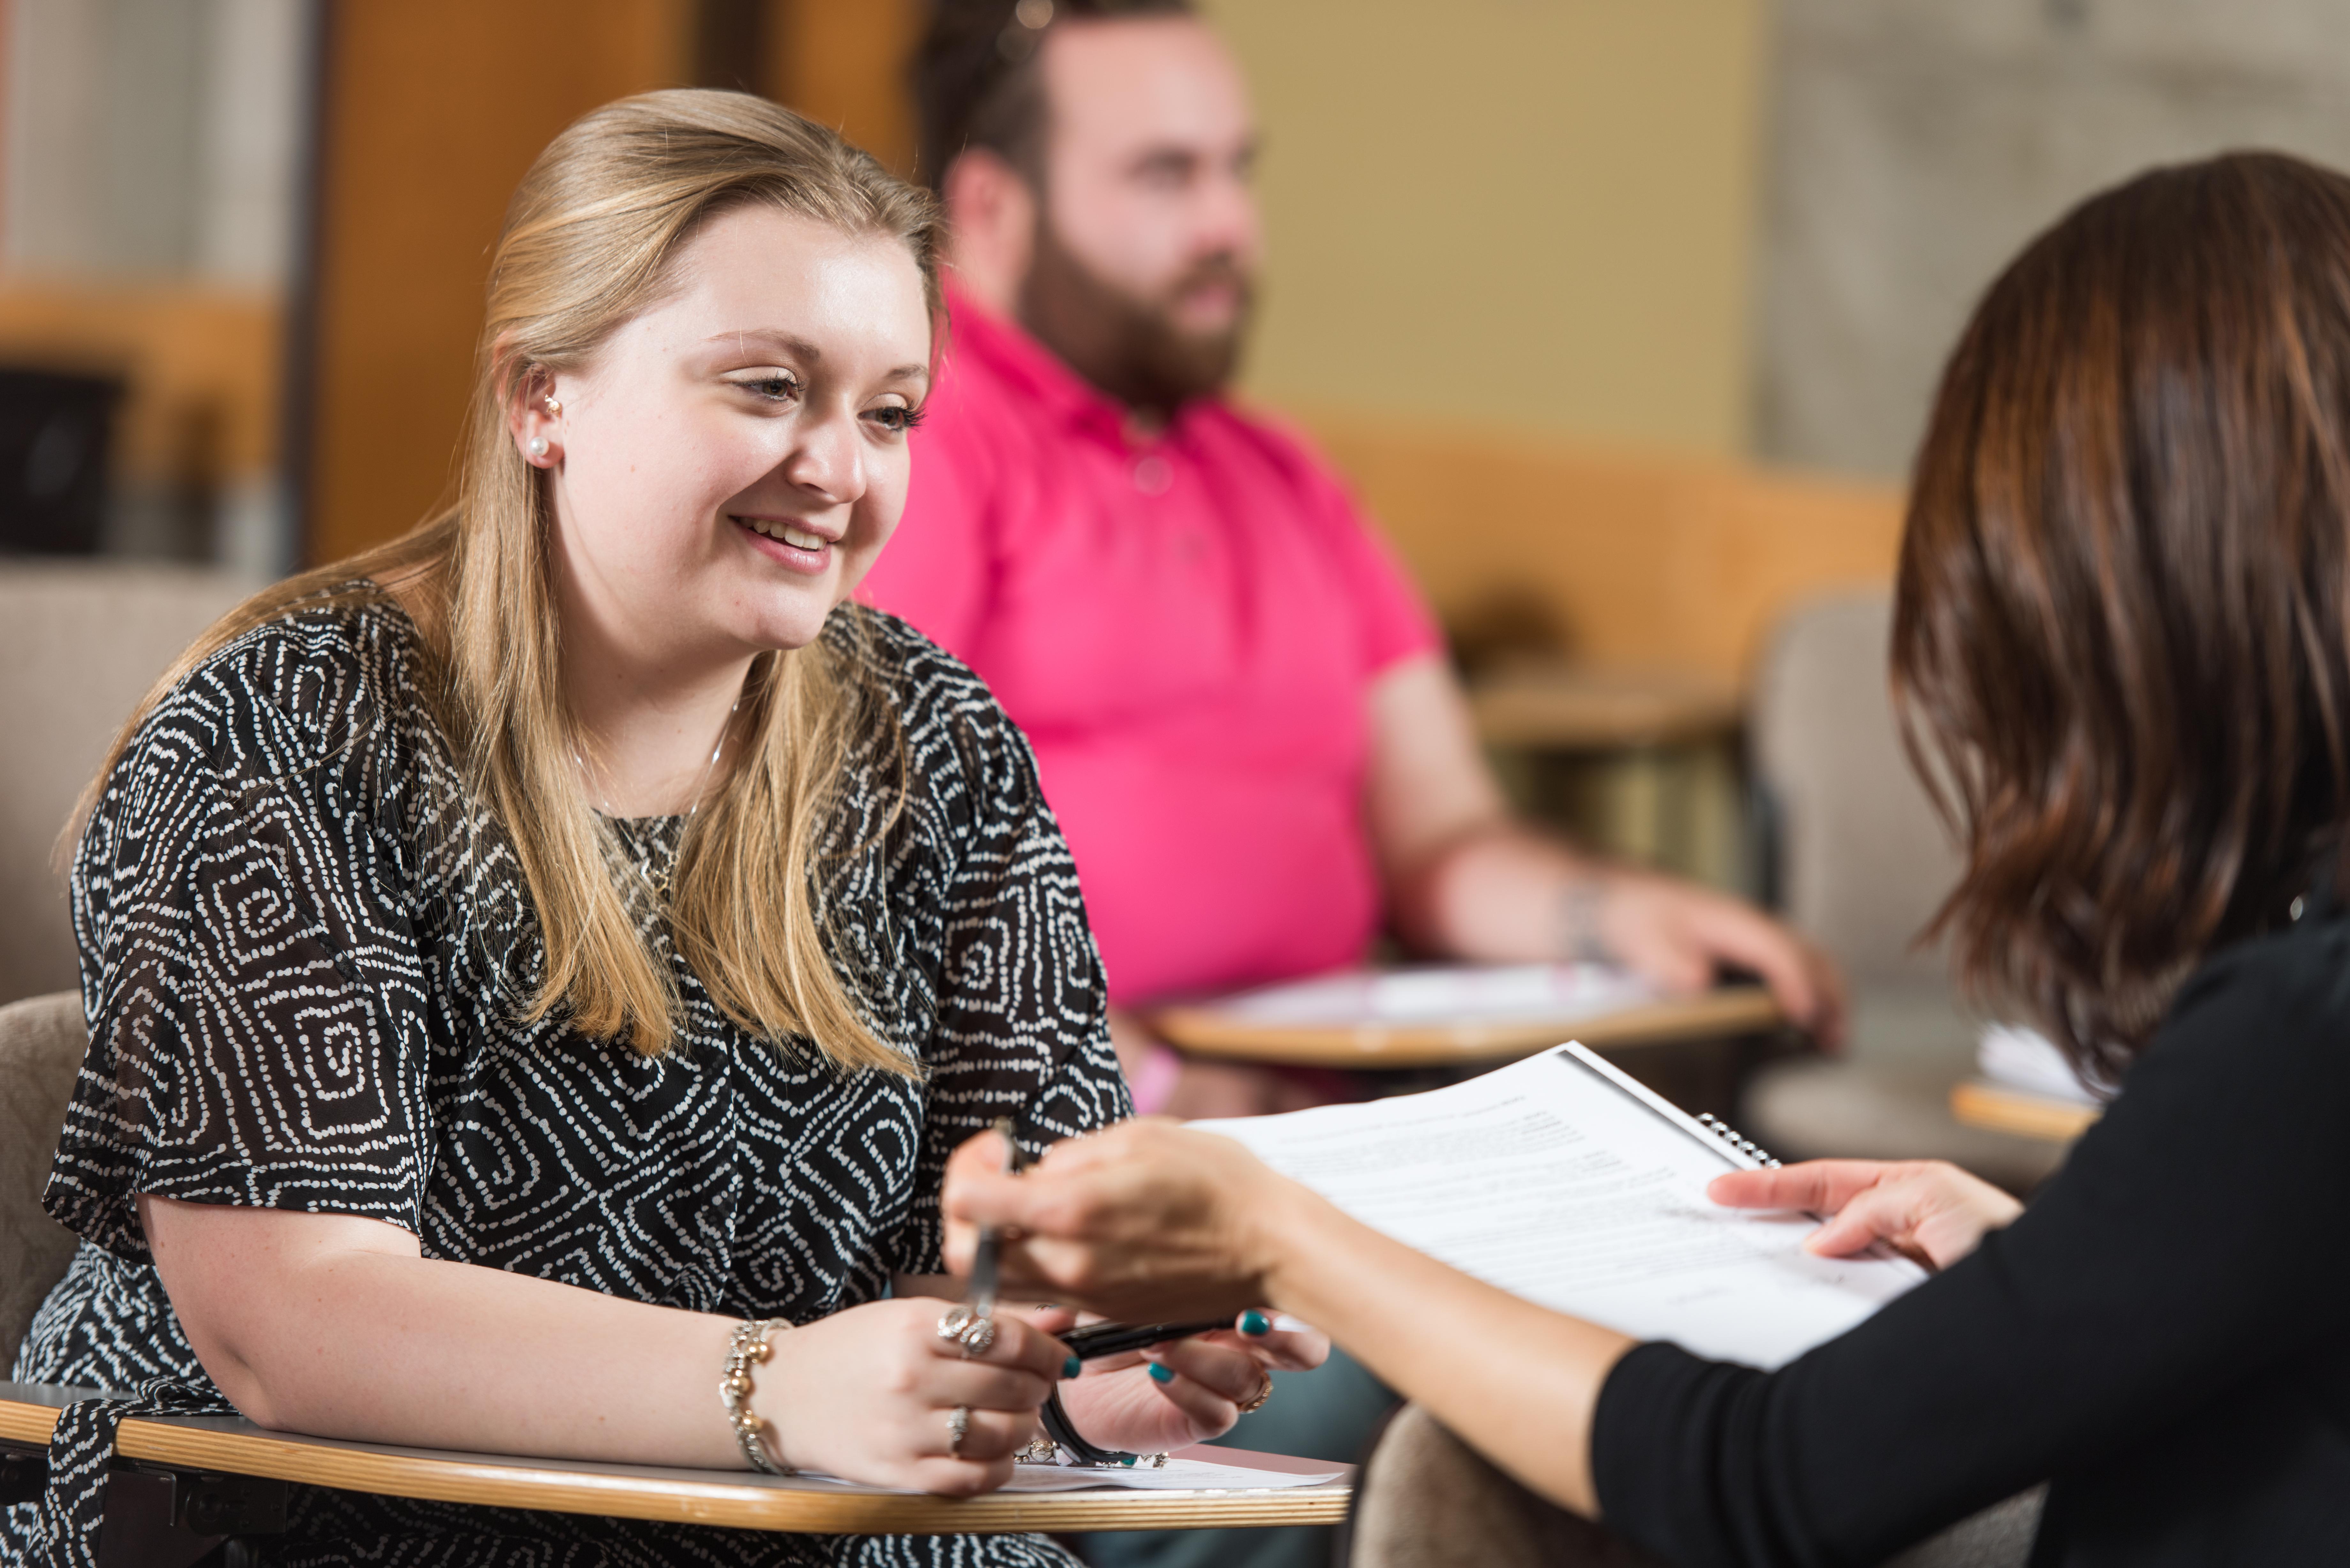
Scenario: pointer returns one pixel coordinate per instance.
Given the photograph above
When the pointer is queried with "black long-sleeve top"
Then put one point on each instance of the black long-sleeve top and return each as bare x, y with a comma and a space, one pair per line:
2164, 1335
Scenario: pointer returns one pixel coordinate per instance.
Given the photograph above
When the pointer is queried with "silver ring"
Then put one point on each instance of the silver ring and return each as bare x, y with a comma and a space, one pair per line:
958, 1429
960, 1325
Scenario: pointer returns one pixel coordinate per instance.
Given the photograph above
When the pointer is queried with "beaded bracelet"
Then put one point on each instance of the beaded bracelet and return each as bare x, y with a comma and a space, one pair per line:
747, 1347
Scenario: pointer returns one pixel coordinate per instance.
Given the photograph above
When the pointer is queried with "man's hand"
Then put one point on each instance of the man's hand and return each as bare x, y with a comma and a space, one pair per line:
1468, 882
1676, 934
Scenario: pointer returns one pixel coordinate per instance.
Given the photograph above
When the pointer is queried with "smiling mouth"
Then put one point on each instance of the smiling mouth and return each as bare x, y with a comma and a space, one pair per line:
791, 534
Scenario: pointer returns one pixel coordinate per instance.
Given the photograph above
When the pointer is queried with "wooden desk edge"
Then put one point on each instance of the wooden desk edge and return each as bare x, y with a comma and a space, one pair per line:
1999, 1109
742, 1504
1207, 1032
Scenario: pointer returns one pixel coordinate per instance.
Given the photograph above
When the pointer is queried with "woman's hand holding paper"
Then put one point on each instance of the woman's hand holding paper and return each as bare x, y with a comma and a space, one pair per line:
1145, 1221
1927, 1209
1075, 1218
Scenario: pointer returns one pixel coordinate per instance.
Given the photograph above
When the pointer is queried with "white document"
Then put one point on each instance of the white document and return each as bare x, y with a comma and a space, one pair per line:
1178, 1474
1181, 1472
1446, 993
1563, 1181
2022, 1058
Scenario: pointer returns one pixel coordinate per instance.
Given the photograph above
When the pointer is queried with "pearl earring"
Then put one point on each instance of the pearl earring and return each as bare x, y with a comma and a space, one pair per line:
536, 446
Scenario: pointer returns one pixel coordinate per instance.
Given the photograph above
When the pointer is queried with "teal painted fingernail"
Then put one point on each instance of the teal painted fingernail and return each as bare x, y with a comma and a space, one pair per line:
1072, 1366
1127, 1458
1253, 1322
1161, 1372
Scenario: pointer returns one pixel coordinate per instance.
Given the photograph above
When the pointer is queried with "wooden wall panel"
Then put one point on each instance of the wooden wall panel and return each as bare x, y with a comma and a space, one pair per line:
843, 63
433, 110
1622, 561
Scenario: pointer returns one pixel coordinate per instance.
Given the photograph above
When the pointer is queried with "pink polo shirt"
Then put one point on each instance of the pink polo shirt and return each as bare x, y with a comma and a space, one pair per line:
1186, 629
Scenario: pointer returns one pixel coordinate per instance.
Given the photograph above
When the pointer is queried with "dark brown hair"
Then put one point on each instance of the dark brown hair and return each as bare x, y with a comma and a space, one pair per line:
2120, 643
976, 82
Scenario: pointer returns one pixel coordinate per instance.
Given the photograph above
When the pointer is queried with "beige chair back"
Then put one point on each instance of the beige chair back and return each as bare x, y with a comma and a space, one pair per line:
79, 644
1864, 861
41, 1045
1427, 1500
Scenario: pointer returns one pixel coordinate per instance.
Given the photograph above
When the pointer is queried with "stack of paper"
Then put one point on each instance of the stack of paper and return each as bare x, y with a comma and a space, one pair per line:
1562, 1180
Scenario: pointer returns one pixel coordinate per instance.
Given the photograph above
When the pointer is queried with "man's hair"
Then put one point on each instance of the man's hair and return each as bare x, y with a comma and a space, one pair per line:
2122, 630
976, 81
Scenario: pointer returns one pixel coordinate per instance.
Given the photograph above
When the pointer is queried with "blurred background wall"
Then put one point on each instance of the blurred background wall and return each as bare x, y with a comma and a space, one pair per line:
1914, 145
1515, 217
1708, 231
151, 162
1623, 317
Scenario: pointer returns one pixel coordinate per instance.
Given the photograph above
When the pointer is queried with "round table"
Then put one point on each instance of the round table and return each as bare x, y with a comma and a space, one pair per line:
1217, 1031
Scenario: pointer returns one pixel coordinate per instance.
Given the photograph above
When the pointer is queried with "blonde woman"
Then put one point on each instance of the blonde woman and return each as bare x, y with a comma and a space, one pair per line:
534, 966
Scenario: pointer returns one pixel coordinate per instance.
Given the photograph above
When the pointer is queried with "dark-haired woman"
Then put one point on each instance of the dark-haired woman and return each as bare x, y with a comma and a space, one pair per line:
2123, 624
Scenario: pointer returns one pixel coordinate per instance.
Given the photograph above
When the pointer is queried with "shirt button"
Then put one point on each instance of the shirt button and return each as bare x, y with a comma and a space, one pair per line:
1152, 476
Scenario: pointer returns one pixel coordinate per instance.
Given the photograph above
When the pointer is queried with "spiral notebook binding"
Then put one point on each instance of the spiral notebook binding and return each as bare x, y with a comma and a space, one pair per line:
1731, 1135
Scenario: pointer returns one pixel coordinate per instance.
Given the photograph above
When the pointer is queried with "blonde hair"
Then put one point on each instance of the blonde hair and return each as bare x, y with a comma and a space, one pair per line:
588, 243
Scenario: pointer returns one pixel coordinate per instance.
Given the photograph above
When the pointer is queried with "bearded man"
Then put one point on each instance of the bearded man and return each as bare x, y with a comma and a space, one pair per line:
1240, 704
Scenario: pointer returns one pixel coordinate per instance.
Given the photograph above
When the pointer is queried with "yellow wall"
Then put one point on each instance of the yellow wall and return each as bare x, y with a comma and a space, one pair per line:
1532, 215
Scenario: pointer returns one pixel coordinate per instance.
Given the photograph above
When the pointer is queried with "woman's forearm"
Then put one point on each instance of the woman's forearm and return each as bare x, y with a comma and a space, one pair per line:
327, 1324
1515, 1381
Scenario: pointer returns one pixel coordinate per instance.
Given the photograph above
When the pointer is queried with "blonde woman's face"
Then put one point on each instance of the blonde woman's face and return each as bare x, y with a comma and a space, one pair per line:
727, 468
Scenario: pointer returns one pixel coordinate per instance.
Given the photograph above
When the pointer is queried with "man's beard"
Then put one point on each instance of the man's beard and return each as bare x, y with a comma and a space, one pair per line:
1128, 344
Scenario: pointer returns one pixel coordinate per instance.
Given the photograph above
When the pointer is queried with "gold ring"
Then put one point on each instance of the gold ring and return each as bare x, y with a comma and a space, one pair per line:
1257, 1401
958, 1429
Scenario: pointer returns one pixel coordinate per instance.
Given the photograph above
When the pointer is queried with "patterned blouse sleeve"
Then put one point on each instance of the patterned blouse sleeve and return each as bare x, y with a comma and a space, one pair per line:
249, 972
1021, 1023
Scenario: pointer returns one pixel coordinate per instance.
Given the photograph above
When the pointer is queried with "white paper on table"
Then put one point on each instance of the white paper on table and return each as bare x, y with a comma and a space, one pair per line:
1562, 1180
2026, 1059
1177, 1475
1451, 995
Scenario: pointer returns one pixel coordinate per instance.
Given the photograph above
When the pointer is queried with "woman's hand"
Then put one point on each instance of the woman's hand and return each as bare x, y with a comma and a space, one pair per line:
867, 1393
1187, 1390
1927, 1209
1145, 1221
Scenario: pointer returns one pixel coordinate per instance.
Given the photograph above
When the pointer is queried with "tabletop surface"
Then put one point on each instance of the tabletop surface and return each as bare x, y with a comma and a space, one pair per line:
1221, 1030
797, 1503
2004, 1108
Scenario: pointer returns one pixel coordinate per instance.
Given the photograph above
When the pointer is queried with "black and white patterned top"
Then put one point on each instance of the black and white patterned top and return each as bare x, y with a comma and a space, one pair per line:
305, 955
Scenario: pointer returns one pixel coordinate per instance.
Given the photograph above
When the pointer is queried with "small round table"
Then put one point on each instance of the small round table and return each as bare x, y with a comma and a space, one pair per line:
1235, 1030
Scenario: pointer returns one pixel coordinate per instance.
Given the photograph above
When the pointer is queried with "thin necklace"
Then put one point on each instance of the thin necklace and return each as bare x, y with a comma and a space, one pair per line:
662, 881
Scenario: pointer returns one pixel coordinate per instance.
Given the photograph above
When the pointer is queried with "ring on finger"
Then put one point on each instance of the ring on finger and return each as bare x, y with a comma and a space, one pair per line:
958, 1429
975, 1332
1255, 1401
